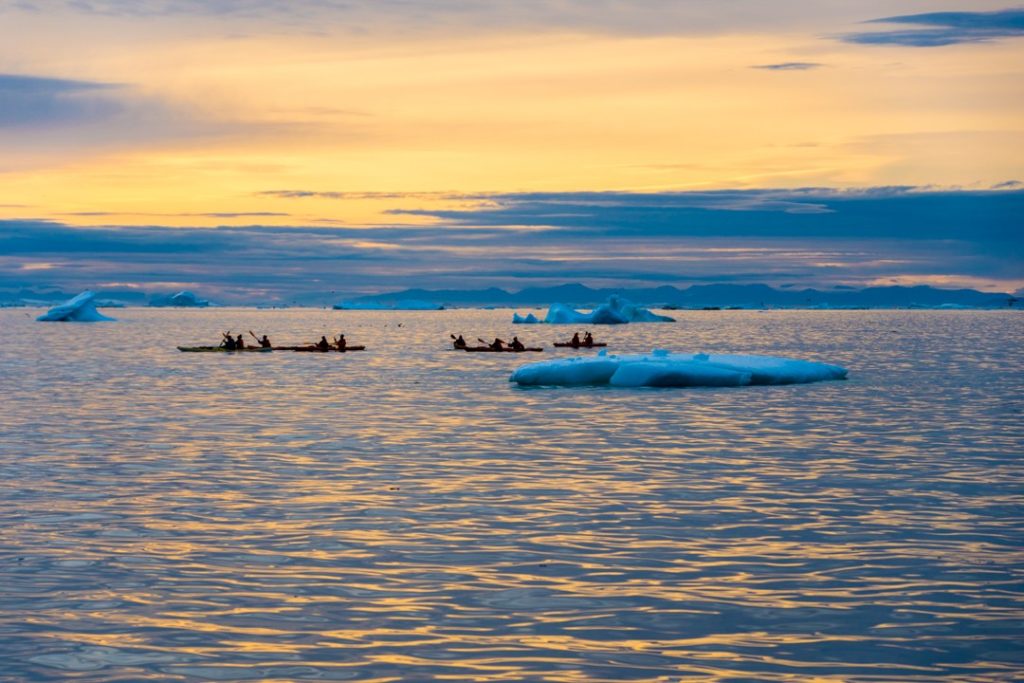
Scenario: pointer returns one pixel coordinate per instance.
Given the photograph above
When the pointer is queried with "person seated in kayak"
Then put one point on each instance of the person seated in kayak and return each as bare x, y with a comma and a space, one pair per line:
323, 345
588, 339
240, 342
228, 342
264, 342
460, 343
575, 339
516, 344
340, 342
497, 345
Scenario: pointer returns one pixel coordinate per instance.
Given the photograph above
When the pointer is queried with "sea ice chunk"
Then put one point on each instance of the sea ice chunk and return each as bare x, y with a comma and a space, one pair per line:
616, 311
567, 372
528, 319
182, 299
663, 369
80, 309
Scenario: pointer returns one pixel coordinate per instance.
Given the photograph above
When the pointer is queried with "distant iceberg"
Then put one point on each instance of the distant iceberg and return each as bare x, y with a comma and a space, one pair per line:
663, 369
403, 305
616, 311
528, 319
183, 299
80, 309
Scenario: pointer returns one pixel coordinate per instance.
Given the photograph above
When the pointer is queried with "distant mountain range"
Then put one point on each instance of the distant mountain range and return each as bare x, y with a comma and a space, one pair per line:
696, 296
724, 295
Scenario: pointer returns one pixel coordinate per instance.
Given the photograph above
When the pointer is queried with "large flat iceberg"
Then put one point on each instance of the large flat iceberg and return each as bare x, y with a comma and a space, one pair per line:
663, 369
80, 309
616, 311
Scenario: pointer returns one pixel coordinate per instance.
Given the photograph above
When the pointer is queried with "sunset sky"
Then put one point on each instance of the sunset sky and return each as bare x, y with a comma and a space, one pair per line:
368, 145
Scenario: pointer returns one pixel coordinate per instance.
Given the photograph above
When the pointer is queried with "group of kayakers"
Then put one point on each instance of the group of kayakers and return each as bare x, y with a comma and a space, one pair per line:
339, 343
588, 340
233, 343
497, 345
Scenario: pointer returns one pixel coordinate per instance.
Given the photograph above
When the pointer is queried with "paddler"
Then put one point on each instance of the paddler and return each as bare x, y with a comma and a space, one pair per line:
516, 344
264, 343
323, 344
340, 343
497, 345
460, 343
588, 339
240, 342
228, 341
575, 340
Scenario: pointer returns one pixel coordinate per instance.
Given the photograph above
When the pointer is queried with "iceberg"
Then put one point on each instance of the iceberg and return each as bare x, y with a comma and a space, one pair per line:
403, 305
528, 319
616, 311
183, 299
80, 309
660, 368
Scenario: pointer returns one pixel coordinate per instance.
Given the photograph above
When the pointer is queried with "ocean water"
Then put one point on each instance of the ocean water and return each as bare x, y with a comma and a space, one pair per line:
406, 514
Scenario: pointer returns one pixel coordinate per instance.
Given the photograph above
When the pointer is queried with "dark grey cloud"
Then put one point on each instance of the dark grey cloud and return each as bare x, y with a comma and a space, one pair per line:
31, 100
789, 66
936, 29
820, 236
889, 212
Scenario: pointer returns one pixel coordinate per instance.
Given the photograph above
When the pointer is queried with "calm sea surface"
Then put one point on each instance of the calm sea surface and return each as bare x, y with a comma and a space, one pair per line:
407, 514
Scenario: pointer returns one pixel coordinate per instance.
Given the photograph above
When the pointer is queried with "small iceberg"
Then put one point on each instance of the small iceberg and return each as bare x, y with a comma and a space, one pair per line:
80, 309
616, 311
183, 299
528, 319
403, 305
661, 368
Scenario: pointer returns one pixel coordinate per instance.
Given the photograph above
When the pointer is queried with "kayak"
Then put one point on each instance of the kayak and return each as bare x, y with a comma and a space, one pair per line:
488, 349
570, 345
220, 349
317, 349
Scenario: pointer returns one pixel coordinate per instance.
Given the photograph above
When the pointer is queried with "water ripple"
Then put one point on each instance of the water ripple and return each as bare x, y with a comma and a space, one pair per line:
409, 515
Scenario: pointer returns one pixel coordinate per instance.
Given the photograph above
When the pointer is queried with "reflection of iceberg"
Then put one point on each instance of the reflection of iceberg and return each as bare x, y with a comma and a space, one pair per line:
81, 309
528, 319
403, 305
183, 299
663, 369
617, 311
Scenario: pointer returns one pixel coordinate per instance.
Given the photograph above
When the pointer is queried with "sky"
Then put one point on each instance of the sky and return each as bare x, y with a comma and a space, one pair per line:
255, 149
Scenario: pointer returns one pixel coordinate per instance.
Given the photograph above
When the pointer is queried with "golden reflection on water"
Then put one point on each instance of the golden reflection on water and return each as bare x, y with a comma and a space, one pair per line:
409, 515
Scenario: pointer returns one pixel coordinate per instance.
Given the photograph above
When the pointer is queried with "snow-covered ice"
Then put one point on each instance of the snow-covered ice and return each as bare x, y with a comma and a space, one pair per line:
80, 309
403, 305
616, 311
661, 368
183, 299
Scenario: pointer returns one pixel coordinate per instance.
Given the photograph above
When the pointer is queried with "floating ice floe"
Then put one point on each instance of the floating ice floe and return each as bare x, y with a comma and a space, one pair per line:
528, 319
80, 309
183, 299
663, 369
616, 311
403, 305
